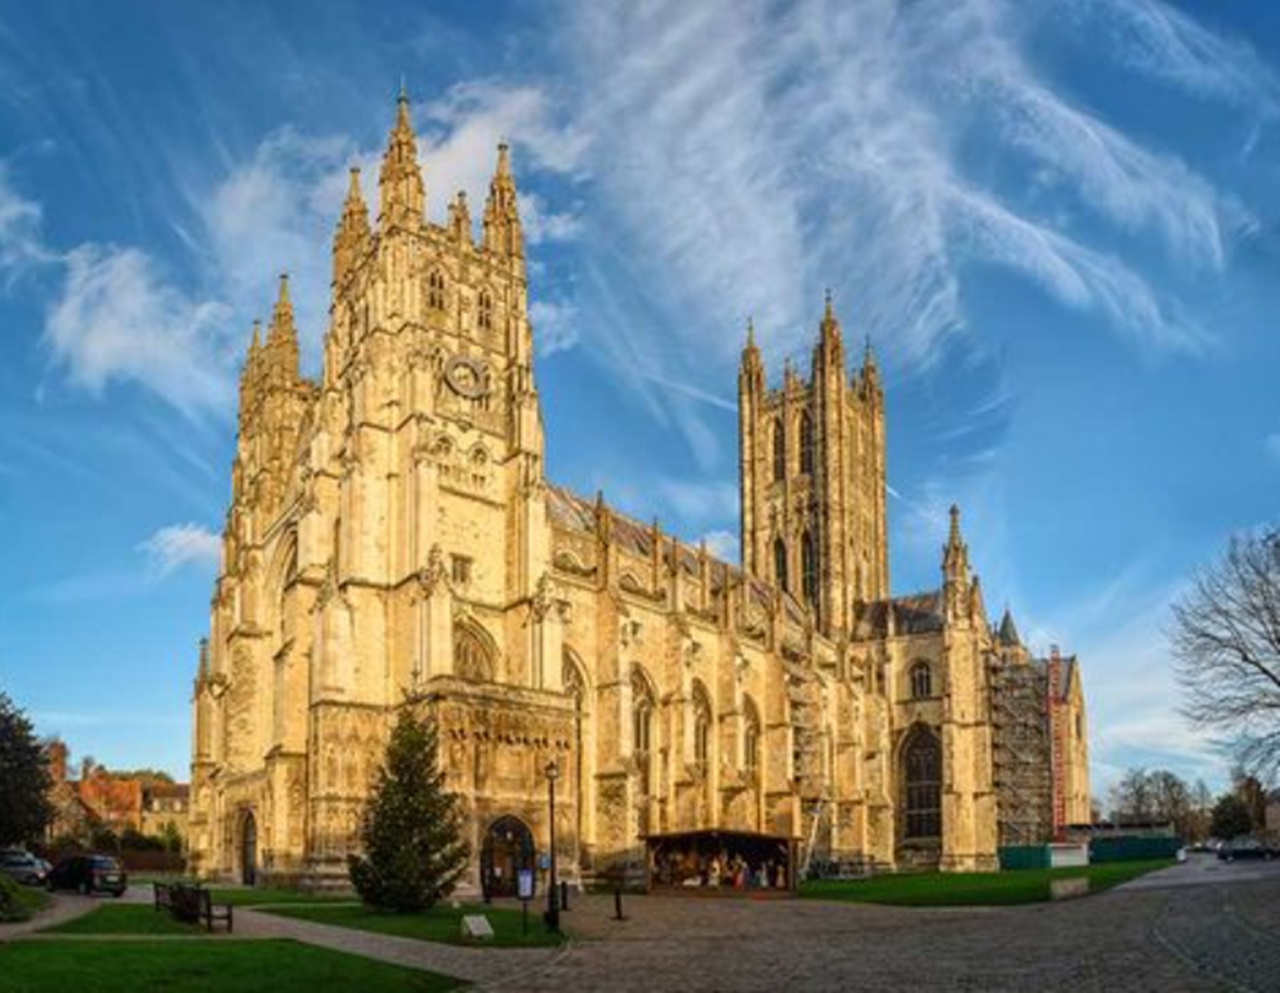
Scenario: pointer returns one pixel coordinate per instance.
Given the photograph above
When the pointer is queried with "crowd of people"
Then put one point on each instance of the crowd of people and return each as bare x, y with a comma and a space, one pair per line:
690, 866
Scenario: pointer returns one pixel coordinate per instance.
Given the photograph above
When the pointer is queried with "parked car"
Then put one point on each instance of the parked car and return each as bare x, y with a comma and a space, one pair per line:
22, 867
89, 874
1245, 848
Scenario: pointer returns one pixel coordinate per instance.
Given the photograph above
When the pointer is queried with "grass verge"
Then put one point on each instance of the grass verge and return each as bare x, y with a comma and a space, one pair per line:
201, 967
438, 924
972, 889
254, 896
124, 918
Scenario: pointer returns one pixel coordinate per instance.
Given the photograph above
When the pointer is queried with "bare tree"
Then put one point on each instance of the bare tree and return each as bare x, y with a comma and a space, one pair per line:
1226, 641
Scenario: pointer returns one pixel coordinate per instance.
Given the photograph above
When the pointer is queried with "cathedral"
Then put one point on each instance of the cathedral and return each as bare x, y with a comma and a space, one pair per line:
392, 540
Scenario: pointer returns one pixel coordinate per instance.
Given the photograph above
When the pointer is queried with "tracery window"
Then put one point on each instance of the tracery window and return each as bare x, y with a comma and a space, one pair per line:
779, 451
809, 569
780, 563
806, 443
485, 311
472, 659
922, 778
921, 681
435, 290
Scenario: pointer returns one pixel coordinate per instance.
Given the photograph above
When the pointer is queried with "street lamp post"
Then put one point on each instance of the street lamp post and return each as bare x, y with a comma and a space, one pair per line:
553, 900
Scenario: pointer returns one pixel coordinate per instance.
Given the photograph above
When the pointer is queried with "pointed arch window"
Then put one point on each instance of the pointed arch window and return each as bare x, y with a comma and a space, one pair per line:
485, 311
922, 786
921, 681
751, 738
780, 563
641, 733
779, 451
472, 659
809, 569
435, 290
701, 728
806, 443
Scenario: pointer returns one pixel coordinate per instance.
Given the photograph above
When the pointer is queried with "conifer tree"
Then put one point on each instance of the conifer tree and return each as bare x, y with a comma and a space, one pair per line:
414, 853
25, 809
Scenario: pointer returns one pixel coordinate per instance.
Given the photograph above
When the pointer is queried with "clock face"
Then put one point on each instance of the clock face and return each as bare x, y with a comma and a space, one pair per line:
465, 377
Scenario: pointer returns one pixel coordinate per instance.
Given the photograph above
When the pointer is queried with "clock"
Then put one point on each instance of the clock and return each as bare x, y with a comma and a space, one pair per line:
465, 377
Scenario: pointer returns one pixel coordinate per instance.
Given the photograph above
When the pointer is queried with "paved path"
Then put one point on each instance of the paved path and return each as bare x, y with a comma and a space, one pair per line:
62, 907
492, 967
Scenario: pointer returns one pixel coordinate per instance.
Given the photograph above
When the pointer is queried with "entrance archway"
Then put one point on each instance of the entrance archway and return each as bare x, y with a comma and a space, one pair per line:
248, 849
508, 848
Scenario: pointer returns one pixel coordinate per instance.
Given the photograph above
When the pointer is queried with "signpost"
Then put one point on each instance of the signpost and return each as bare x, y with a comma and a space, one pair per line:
524, 890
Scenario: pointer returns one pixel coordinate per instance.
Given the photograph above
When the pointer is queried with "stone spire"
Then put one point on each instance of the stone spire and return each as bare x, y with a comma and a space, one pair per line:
752, 371
955, 554
870, 371
351, 239
400, 190
1009, 631
460, 219
830, 351
501, 216
250, 372
282, 339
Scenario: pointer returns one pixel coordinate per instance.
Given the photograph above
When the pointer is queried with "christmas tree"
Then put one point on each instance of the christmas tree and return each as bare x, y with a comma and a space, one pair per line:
414, 852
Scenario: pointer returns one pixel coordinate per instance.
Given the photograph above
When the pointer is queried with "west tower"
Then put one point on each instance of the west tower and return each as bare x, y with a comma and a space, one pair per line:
812, 476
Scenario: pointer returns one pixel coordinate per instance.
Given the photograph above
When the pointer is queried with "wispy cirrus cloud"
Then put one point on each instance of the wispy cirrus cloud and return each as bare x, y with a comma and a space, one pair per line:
177, 545
747, 156
118, 319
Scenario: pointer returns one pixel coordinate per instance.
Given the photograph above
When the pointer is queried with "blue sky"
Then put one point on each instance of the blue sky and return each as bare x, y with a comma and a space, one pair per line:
1057, 222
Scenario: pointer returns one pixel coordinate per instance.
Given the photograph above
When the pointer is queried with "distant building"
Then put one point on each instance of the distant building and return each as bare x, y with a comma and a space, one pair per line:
165, 804
102, 798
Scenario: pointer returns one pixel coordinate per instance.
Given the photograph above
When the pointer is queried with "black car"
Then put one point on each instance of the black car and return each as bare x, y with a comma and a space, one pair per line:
22, 867
1245, 848
89, 874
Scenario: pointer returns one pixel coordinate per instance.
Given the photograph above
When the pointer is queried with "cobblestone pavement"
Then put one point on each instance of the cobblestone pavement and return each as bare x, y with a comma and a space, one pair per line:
479, 965
1172, 939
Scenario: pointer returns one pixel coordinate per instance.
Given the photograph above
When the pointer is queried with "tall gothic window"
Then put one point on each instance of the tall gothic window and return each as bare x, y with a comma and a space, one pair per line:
472, 659
921, 681
809, 569
806, 443
701, 728
485, 312
750, 737
435, 290
779, 450
780, 563
922, 785
641, 740
575, 686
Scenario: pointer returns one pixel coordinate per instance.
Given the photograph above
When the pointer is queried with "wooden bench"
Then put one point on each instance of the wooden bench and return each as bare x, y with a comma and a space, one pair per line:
194, 904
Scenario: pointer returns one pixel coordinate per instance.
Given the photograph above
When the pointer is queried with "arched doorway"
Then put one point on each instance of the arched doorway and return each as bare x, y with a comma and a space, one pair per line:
248, 849
508, 848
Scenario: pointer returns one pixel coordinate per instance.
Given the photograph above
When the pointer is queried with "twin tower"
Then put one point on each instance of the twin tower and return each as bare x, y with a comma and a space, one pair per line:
812, 464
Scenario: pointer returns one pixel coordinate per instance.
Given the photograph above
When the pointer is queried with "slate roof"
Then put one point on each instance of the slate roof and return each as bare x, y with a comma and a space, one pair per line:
571, 512
916, 613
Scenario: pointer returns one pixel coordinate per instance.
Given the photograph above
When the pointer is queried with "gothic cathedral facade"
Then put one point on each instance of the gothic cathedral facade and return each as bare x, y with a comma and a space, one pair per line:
391, 536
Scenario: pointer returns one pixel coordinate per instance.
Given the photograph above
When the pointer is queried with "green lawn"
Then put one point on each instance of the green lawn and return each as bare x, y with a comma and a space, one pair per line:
125, 918
438, 924
959, 889
252, 897
200, 967
30, 899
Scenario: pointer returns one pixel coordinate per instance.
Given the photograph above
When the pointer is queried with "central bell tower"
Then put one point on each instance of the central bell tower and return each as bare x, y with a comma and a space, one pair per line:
812, 479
